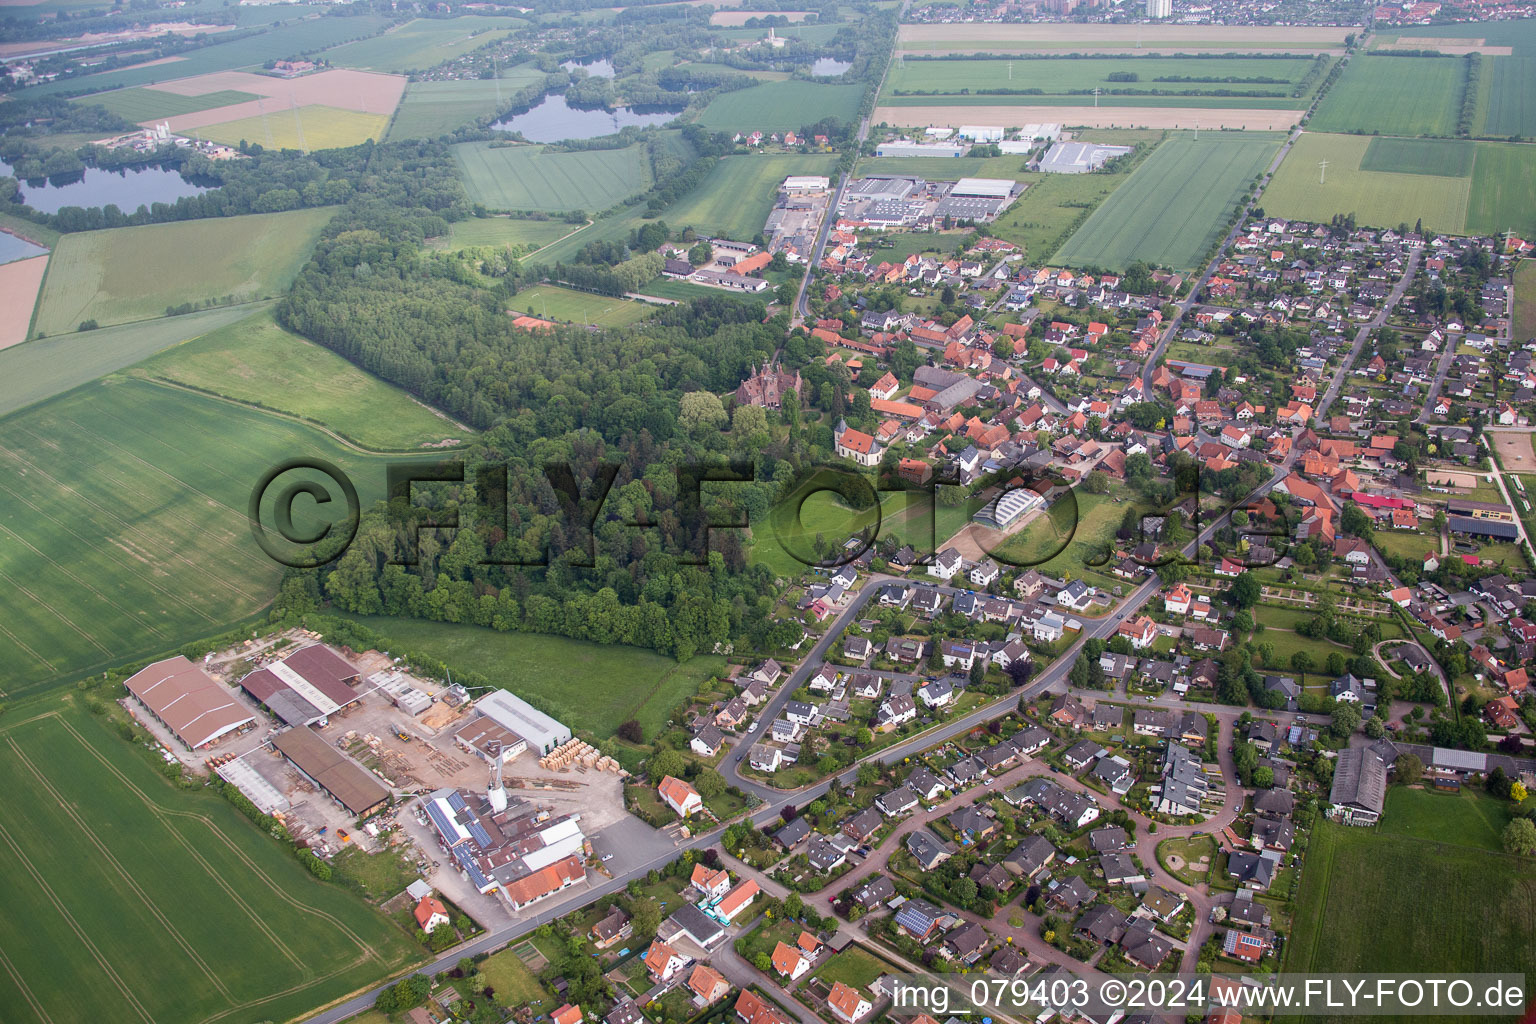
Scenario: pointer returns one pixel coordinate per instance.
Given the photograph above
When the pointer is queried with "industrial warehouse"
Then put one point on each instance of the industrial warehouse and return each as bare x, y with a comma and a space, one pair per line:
907, 202
306, 687
183, 698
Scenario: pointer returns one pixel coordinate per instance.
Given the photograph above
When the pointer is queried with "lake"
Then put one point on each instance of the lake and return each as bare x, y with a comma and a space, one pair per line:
595, 68
127, 188
826, 67
553, 120
13, 248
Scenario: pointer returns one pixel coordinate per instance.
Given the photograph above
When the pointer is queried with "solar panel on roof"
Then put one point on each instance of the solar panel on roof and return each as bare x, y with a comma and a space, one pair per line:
444, 826
479, 834
456, 801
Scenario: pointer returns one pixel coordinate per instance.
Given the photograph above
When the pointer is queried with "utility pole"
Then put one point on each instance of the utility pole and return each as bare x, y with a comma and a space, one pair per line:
1322, 173
1095, 97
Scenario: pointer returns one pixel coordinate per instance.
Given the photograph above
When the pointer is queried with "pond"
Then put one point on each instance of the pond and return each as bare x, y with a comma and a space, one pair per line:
826, 67
13, 248
552, 120
128, 188
595, 68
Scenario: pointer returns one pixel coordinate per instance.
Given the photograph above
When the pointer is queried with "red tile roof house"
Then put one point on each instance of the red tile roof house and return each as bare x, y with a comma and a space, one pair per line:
707, 984
789, 961
681, 797
430, 913
662, 961
567, 1014
847, 1004
738, 899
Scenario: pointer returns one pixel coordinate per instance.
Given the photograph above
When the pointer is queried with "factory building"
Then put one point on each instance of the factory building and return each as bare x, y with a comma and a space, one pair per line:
306, 687
186, 700
514, 714
319, 762
1079, 157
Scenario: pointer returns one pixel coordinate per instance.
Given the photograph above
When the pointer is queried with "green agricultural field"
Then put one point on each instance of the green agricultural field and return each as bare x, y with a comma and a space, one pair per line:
510, 231
1394, 96
1503, 194
505, 177
1062, 76
548, 301
183, 909
1525, 300
1364, 905
593, 688
781, 106
307, 128
45, 367
1519, 35
1443, 158
248, 52
1175, 204
125, 274
152, 104
423, 43
734, 200
1507, 97
1377, 198
431, 109
257, 362
123, 523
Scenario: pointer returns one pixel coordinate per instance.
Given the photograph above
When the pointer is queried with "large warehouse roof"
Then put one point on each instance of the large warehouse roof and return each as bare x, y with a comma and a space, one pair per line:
323, 763
542, 732
304, 687
983, 188
184, 697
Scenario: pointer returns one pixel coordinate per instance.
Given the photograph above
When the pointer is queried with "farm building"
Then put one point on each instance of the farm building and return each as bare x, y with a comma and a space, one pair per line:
522, 849
184, 699
319, 762
1079, 157
511, 712
308, 686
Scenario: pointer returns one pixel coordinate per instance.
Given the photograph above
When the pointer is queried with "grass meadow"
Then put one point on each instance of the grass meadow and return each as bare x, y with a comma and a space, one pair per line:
781, 106
1524, 325
1377, 198
430, 109
150, 104
591, 687
124, 274
422, 43
1175, 204
552, 302
1069, 76
132, 901
307, 128
511, 177
1373, 899
1394, 96
256, 362
123, 523
511, 231
734, 200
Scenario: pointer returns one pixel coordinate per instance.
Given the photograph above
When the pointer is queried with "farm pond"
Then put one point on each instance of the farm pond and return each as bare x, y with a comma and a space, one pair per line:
127, 188
553, 120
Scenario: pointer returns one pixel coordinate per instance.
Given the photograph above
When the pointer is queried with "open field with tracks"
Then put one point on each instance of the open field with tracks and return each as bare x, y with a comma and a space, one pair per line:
525, 234
124, 274
1394, 96
1503, 196
577, 681
123, 523
1524, 326
1175, 205
1066, 38
423, 43
146, 104
306, 128
551, 302
1120, 116
734, 200
19, 285
257, 362
430, 109
276, 99
1380, 199
528, 178
781, 106
163, 904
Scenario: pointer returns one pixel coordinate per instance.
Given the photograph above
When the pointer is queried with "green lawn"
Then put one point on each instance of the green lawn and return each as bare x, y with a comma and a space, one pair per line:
1473, 818
1287, 644
183, 909
1374, 901
422, 43
555, 303
513, 177
734, 200
124, 274
591, 687
1190, 851
781, 106
431, 109
853, 966
513, 982
1377, 198
1394, 96
257, 362
155, 549
1405, 543
1175, 205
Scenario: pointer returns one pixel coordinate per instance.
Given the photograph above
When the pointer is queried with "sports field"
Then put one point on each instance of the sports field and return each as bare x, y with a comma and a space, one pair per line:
124, 274
131, 901
1175, 204
1066, 76
150, 104
1394, 96
591, 687
1365, 905
734, 200
305, 128
1071, 533
257, 362
430, 109
423, 43
1377, 198
1069, 38
506, 177
123, 528
781, 106
551, 302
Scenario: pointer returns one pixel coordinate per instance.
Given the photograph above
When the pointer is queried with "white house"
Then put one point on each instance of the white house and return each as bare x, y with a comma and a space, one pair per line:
984, 572
1049, 627
946, 565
